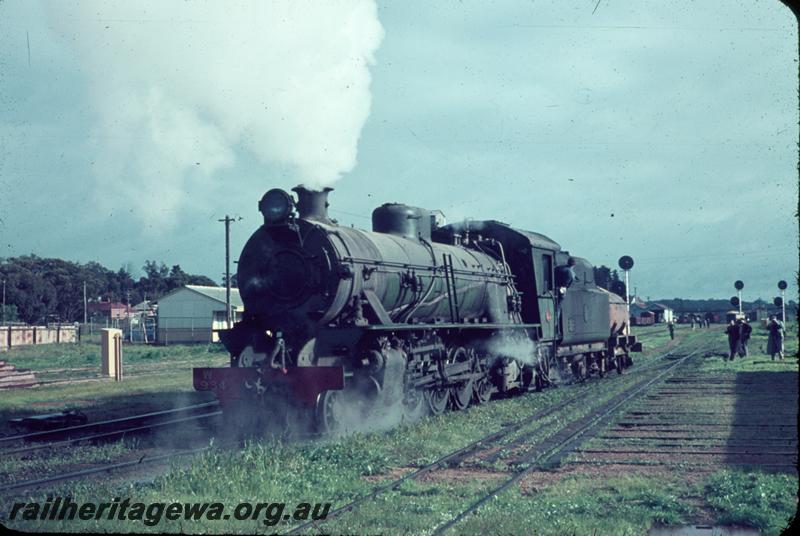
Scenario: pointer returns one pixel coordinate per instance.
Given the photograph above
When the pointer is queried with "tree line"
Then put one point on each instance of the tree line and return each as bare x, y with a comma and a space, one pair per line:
41, 289
715, 305
46, 289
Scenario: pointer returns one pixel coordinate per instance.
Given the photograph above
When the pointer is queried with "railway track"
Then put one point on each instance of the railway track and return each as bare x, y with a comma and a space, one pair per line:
104, 430
155, 366
707, 421
554, 449
135, 420
72, 475
110, 434
545, 454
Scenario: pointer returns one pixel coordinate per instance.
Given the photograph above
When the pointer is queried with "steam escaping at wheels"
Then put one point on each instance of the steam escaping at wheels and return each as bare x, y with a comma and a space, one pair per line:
345, 412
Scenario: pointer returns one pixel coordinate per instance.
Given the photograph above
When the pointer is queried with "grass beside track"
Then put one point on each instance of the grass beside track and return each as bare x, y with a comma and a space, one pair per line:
162, 381
576, 500
156, 378
46, 357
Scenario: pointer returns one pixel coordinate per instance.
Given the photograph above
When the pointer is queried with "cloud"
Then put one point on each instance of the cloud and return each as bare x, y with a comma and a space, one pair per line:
540, 114
181, 90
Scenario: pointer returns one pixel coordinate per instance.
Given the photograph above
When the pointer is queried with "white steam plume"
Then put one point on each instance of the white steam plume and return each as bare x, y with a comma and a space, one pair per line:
179, 88
520, 348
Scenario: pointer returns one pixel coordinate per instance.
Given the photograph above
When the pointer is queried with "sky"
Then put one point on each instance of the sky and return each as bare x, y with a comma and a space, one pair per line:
666, 131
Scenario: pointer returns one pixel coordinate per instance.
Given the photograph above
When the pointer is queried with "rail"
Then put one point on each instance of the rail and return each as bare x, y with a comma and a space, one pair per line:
483, 442
88, 426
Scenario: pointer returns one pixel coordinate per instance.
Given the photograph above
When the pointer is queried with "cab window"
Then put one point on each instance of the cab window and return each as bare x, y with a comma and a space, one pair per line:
547, 273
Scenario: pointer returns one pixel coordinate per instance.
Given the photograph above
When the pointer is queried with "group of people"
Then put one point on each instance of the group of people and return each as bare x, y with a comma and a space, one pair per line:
694, 320
739, 331
699, 321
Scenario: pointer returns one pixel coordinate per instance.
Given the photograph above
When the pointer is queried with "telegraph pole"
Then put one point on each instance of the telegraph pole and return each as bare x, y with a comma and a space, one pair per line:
4, 302
227, 220
128, 314
85, 313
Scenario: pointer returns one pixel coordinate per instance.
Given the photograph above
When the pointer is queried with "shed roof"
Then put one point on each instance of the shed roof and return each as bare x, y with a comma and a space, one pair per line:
142, 306
637, 310
215, 293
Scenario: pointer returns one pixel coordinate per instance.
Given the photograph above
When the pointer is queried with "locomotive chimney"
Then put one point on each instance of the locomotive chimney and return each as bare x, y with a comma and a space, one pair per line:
313, 204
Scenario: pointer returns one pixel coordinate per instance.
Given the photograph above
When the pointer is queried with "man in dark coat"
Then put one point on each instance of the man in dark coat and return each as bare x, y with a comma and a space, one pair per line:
775, 340
733, 338
565, 275
671, 328
744, 336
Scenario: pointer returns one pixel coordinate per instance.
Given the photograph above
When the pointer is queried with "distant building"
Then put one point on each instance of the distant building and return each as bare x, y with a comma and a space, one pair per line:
661, 312
108, 310
146, 308
644, 313
192, 314
641, 316
759, 313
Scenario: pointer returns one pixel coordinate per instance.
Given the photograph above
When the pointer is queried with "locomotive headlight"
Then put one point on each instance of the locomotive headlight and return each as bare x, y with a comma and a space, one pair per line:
276, 205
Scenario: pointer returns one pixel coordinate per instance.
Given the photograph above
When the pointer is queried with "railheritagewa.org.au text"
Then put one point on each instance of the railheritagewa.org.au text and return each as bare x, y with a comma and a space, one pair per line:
65, 509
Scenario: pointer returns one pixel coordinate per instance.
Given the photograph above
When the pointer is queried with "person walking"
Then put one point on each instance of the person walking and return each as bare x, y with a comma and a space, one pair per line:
744, 336
733, 339
775, 340
671, 328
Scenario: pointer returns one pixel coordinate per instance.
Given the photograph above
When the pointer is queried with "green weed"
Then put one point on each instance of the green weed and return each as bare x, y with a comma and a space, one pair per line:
765, 501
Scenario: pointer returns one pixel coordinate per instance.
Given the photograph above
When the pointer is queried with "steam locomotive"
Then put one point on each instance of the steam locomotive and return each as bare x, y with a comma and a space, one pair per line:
415, 314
